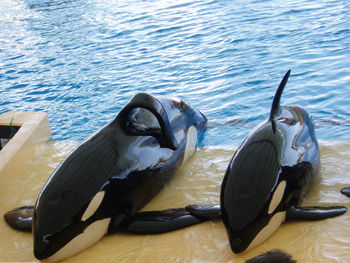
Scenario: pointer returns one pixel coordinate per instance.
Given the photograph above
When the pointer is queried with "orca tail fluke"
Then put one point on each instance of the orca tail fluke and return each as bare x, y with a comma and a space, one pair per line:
275, 108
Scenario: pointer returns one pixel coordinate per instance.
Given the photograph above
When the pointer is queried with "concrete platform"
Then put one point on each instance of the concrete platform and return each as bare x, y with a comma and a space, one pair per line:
33, 133
31, 159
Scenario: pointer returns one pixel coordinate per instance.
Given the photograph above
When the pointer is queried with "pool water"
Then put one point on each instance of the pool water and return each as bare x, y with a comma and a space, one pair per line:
81, 61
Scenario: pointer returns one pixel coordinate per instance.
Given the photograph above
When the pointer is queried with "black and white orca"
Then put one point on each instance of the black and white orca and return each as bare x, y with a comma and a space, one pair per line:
100, 186
269, 175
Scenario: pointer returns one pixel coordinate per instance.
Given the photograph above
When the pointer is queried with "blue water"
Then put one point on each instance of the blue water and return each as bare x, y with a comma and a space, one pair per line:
81, 61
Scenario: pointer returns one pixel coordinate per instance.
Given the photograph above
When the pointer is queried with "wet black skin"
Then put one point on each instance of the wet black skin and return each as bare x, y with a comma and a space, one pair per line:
20, 218
346, 191
131, 159
282, 148
265, 159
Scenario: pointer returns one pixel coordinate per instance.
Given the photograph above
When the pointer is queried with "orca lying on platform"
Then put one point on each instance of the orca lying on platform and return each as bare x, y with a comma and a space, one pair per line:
268, 176
100, 185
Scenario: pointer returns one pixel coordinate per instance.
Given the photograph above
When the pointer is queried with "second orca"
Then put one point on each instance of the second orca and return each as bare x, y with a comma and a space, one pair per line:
269, 175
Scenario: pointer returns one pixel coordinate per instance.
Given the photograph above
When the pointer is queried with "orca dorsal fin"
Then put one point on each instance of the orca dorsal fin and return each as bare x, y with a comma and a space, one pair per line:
275, 108
147, 101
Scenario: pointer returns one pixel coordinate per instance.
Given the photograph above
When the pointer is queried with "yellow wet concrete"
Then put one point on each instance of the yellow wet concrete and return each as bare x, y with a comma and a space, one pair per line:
34, 132
198, 181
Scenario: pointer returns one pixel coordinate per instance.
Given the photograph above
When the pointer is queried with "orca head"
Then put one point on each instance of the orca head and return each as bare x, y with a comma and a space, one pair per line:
70, 212
75, 207
252, 192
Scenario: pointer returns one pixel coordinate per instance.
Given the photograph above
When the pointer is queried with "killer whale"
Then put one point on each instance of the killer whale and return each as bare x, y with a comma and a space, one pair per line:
101, 184
269, 175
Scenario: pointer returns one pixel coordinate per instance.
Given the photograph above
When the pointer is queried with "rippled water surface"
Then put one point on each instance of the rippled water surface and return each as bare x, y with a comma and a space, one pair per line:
81, 61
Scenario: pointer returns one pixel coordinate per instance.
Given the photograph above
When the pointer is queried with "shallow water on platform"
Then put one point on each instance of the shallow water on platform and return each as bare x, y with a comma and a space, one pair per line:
198, 181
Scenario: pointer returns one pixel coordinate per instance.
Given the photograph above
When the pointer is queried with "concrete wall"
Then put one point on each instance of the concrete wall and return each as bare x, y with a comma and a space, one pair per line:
34, 132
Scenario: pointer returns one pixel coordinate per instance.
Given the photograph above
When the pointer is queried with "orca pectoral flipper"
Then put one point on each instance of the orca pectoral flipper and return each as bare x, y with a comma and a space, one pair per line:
315, 212
155, 222
149, 222
20, 218
205, 211
346, 191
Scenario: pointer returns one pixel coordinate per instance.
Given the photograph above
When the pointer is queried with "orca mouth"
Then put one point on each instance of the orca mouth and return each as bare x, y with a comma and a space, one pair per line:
46, 245
62, 247
40, 252
42, 249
